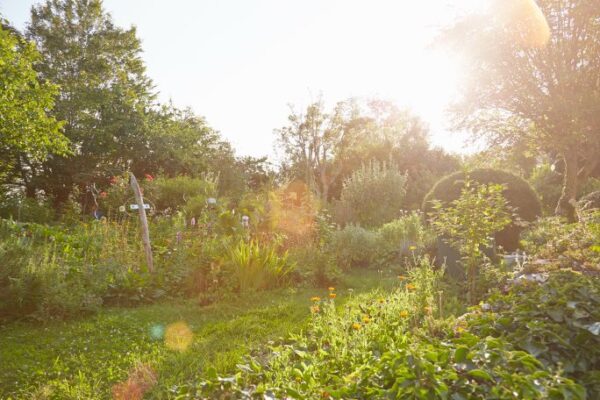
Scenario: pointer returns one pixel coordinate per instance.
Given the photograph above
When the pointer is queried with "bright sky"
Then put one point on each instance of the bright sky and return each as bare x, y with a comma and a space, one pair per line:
240, 63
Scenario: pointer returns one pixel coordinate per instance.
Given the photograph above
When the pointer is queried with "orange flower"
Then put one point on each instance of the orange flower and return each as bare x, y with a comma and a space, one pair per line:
356, 326
315, 309
428, 310
315, 298
404, 313
381, 300
366, 319
402, 277
332, 295
331, 288
410, 286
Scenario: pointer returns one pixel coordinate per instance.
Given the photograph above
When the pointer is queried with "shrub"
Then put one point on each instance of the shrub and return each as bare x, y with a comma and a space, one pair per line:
353, 246
20, 208
468, 223
373, 194
548, 185
518, 193
408, 231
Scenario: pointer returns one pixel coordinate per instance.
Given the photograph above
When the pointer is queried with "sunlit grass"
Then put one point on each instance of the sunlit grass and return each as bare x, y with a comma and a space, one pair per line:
119, 351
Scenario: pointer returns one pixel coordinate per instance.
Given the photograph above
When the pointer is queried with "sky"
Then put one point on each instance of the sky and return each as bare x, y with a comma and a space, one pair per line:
241, 63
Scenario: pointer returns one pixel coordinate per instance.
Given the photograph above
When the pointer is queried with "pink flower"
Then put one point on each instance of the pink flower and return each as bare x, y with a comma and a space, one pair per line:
149, 177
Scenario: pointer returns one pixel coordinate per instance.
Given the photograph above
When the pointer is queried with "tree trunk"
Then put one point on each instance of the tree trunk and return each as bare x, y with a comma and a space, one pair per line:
565, 206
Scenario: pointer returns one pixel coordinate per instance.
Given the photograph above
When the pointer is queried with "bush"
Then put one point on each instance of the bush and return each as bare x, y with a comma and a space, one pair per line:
548, 185
20, 208
353, 246
406, 233
372, 195
518, 193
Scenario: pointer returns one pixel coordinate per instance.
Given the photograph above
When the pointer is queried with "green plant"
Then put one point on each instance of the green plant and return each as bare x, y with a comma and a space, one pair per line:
519, 195
469, 222
373, 194
257, 266
353, 246
557, 322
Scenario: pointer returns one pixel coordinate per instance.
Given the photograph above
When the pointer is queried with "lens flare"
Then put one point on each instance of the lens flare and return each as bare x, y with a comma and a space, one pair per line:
178, 336
525, 21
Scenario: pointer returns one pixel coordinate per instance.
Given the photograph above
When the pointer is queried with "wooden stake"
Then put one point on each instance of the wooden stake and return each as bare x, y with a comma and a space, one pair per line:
144, 221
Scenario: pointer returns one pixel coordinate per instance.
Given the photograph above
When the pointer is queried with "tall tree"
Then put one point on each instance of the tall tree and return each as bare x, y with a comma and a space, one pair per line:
27, 133
104, 90
534, 74
315, 142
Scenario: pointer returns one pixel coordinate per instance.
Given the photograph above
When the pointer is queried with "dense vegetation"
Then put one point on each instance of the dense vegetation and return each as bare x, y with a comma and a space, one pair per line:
325, 277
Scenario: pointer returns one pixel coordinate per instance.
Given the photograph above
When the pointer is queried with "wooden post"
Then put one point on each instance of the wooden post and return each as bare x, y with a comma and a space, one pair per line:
144, 221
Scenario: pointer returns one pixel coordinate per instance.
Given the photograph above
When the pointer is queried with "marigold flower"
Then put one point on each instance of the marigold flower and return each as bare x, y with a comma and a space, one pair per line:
402, 277
331, 288
410, 286
332, 295
366, 319
404, 313
381, 300
315, 309
428, 310
315, 298
412, 248
356, 326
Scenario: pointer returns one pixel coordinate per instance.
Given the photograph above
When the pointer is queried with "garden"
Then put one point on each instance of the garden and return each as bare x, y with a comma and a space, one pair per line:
142, 258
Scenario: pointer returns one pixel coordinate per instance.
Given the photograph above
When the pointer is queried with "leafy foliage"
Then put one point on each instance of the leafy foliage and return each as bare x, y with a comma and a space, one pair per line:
373, 194
469, 222
518, 193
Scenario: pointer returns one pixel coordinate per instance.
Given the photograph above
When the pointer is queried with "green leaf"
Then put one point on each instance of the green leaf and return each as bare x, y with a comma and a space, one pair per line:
480, 374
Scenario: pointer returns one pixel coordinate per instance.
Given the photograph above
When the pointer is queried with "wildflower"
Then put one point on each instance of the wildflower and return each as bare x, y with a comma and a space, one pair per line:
366, 319
356, 326
114, 180
331, 288
402, 277
149, 177
315, 298
332, 295
315, 309
298, 379
404, 313
410, 286
412, 248
381, 300
428, 310
103, 195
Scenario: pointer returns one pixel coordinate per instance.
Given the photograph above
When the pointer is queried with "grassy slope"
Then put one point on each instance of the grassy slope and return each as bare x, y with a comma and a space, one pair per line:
84, 358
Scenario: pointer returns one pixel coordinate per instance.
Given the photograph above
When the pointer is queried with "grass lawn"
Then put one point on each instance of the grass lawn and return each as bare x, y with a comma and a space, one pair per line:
84, 358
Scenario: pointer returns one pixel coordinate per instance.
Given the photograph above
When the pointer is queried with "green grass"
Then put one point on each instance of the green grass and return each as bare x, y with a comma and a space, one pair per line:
84, 358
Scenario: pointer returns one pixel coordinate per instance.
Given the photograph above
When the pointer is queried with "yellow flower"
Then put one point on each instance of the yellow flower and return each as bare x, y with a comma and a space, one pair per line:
381, 300
412, 248
366, 319
356, 326
428, 310
404, 313
332, 295
402, 277
410, 286
331, 288
315, 309
298, 379
315, 298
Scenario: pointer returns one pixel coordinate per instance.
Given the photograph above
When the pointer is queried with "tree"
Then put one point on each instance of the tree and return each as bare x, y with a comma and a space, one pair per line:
104, 91
470, 222
315, 142
27, 133
535, 77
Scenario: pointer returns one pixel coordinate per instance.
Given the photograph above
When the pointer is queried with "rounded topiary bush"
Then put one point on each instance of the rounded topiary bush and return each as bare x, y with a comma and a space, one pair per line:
590, 201
518, 193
